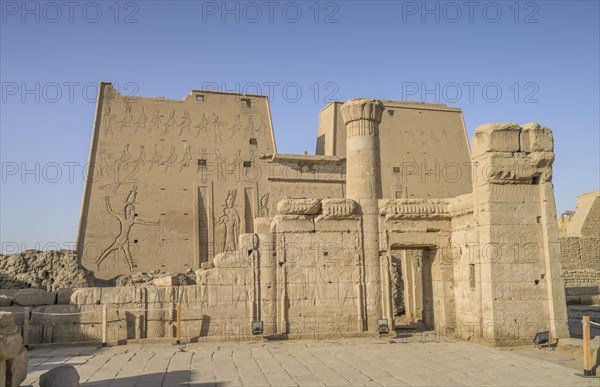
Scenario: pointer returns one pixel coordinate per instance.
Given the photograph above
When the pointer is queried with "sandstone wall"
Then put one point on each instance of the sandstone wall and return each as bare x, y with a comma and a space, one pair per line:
424, 148
580, 261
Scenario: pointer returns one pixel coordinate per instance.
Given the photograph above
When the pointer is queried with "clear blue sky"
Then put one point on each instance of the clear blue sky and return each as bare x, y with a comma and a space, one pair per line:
543, 57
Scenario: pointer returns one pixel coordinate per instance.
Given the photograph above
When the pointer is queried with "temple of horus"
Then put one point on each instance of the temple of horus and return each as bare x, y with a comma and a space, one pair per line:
395, 220
194, 228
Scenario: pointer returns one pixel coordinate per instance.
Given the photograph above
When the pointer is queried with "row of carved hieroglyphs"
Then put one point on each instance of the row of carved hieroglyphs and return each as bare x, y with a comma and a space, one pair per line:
127, 166
430, 135
172, 123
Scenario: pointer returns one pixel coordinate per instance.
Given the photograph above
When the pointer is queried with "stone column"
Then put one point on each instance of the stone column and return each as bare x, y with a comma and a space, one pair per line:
363, 184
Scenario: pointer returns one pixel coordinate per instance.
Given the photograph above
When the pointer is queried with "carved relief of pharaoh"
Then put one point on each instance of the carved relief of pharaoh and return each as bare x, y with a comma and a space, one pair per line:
187, 157
230, 221
186, 121
202, 126
127, 119
170, 124
108, 117
155, 121
141, 122
127, 219
263, 209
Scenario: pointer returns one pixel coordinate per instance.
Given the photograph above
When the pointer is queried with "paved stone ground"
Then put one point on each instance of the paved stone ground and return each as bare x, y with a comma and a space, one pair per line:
364, 362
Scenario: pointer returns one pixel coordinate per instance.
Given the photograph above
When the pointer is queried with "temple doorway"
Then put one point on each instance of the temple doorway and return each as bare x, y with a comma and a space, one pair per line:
412, 287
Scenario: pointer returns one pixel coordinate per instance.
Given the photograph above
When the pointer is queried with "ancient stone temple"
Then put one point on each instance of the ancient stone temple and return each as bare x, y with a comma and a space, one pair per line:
394, 219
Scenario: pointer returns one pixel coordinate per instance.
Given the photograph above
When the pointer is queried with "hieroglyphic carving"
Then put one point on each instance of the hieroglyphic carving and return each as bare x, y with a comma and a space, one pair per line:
413, 207
127, 220
141, 159
518, 292
221, 165
368, 173
237, 161
170, 123
141, 122
217, 123
155, 160
236, 127
202, 126
184, 125
263, 208
125, 156
103, 166
187, 157
171, 159
230, 221
203, 156
108, 117
127, 119
155, 121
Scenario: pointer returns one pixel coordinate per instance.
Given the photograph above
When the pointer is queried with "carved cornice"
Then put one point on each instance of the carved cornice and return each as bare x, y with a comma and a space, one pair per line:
414, 208
289, 206
338, 208
362, 116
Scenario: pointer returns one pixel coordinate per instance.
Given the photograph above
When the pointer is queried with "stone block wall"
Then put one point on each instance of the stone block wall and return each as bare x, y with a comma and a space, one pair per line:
581, 264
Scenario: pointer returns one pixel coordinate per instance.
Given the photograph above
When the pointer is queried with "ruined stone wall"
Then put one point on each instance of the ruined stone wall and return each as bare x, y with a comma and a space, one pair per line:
580, 249
580, 258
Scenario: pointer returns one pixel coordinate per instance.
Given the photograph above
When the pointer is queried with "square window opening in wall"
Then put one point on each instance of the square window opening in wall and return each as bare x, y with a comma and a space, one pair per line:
246, 102
396, 169
200, 97
253, 141
247, 164
201, 162
390, 112
535, 180
135, 241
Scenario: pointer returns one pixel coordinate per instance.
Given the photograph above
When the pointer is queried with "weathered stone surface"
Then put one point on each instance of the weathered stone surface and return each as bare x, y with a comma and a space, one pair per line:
11, 339
5, 300
48, 270
230, 260
13, 355
27, 297
338, 208
143, 278
289, 206
496, 137
536, 138
61, 376
207, 265
580, 250
167, 280
64, 296
8, 292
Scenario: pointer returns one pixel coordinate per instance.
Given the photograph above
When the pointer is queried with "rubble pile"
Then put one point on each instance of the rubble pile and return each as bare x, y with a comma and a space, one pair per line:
48, 270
